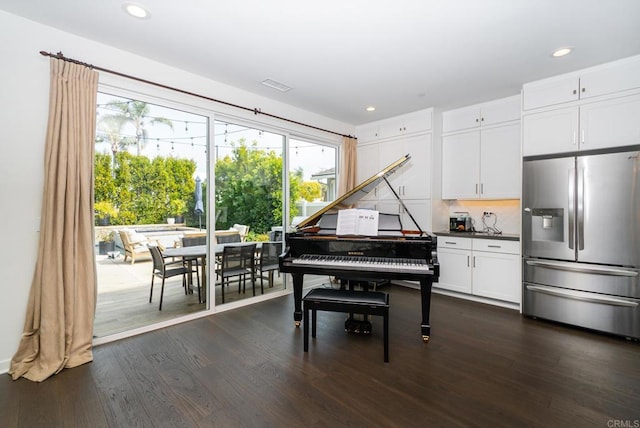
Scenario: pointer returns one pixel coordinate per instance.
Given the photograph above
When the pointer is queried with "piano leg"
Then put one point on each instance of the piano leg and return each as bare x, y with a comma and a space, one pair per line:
425, 292
297, 297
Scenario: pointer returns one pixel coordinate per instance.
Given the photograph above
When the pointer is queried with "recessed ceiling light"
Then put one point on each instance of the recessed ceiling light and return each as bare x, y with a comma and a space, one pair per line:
561, 52
276, 85
136, 10
370, 108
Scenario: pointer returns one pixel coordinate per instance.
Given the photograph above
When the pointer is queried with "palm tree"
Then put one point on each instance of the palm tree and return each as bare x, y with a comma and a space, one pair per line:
136, 113
110, 129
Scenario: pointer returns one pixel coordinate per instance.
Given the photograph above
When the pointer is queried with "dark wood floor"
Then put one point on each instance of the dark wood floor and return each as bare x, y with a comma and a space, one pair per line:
484, 366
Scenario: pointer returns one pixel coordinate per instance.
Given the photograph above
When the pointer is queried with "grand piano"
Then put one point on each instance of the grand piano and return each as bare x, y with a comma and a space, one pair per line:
394, 253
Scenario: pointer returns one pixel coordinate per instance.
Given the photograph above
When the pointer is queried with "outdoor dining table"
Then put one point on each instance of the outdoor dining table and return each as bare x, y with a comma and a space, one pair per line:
200, 252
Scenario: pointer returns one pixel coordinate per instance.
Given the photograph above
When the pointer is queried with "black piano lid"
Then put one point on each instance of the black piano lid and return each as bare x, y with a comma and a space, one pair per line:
354, 195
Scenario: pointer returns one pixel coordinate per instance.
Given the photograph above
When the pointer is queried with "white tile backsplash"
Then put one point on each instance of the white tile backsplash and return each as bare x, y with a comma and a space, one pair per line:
507, 212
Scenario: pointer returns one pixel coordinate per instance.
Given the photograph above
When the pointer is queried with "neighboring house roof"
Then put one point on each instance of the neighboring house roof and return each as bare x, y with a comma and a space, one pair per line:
325, 173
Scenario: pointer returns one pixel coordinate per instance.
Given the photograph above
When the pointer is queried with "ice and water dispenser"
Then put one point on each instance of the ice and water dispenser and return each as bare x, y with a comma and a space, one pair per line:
547, 224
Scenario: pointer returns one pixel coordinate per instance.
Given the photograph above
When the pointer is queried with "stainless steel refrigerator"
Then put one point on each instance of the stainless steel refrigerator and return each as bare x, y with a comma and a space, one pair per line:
581, 241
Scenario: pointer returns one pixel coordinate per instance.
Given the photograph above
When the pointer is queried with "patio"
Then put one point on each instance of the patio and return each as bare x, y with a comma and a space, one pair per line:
123, 295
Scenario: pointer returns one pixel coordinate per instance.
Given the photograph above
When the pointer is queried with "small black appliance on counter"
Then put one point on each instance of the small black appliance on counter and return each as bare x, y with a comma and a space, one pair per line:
460, 222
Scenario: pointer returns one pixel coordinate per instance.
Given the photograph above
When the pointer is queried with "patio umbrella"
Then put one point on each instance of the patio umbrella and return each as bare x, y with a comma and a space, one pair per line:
199, 209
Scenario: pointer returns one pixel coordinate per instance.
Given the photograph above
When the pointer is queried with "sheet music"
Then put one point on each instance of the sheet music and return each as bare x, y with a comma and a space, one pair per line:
357, 221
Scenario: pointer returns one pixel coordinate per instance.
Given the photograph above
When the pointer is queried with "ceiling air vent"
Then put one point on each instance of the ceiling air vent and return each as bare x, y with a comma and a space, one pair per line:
276, 85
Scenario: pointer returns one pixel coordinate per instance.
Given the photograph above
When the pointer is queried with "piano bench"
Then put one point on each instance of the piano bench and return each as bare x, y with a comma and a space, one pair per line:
359, 302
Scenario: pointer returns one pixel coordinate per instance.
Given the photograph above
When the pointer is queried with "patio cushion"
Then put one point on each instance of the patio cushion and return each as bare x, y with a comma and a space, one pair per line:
135, 238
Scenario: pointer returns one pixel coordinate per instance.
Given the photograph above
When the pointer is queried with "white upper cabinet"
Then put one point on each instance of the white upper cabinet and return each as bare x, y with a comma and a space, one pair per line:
500, 163
478, 115
413, 180
368, 164
461, 119
610, 78
416, 175
606, 79
368, 132
595, 108
411, 123
550, 91
482, 164
384, 142
611, 123
461, 166
482, 161
549, 132
594, 125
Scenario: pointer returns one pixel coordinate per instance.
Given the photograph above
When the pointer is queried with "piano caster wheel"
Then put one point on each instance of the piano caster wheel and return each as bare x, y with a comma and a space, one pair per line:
425, 339
297, 323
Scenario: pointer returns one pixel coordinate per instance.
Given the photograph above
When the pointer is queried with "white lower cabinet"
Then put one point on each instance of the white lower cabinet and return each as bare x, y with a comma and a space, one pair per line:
496, 269
480, 267
454, 256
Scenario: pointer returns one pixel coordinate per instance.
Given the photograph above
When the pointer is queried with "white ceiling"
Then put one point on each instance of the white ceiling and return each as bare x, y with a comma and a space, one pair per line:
340, 56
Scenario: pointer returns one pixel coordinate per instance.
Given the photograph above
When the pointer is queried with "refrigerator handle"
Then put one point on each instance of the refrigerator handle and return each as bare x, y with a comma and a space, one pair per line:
583, 268
571, 207
580, 192
583, 296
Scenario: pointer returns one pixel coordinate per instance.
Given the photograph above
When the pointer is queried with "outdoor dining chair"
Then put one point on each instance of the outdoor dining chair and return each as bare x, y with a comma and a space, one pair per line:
226, 237
268, 261
237, 260
191, 241
166, 269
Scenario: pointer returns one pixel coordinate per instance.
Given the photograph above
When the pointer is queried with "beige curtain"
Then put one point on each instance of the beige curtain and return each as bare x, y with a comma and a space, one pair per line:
58, 328
348, 165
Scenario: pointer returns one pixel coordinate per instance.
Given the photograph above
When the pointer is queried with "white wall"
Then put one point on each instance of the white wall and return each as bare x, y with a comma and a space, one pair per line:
507, 211
24, 91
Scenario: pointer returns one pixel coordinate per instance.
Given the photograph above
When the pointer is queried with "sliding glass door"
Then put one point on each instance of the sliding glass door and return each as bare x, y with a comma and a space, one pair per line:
149, 161
249, 182
155, 165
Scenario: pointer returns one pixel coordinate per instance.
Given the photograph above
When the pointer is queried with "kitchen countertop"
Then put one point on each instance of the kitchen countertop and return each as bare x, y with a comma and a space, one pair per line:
480, 235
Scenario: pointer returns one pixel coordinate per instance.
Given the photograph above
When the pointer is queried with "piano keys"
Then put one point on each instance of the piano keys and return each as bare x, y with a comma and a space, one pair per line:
395, 253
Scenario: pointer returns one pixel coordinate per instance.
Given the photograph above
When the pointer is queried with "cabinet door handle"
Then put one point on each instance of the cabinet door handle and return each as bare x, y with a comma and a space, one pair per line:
477, 120
482, 119
482, 188
452, 243
474, 261
573, 139
575, 92
584, 90
582, 136
476, 188
494, 246
467, 261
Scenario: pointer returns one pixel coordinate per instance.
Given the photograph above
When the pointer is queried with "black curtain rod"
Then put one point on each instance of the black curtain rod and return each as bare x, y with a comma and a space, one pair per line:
255, 111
